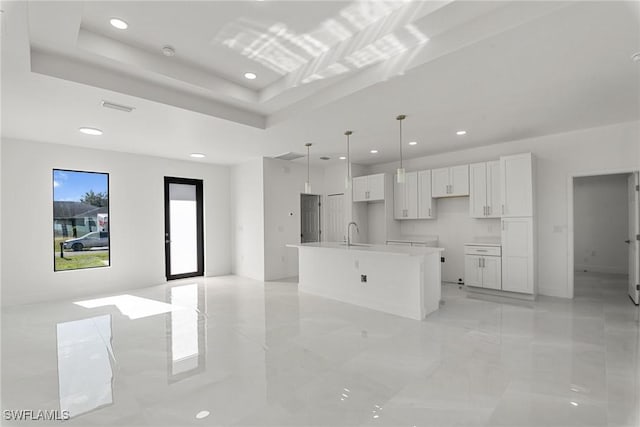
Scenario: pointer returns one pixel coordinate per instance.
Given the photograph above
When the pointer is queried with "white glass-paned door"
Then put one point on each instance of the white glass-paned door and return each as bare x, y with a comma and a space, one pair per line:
183, 228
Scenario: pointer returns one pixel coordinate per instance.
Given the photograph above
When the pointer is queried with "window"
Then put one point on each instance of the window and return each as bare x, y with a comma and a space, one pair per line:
80, 220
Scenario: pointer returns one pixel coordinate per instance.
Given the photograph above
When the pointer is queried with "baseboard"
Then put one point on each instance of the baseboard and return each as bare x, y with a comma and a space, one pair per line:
599, 269
501, 294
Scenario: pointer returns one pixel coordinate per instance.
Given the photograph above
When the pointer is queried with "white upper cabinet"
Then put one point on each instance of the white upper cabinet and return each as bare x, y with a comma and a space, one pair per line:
412, 200
360, 188
405, 197
450, 182
484, 194
493, 189
516, 185
478, 190
426, 204
459, 178
376, 186
368, 188
440, 182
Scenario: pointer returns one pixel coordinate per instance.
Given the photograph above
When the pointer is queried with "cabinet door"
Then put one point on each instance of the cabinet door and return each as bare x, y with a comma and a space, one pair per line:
360, 188
411, 194
516, 185
426, 207
472, 270
439, 182
399, 199
478, 190
459, 180
491, 272
493, 189
376, 187
517, 255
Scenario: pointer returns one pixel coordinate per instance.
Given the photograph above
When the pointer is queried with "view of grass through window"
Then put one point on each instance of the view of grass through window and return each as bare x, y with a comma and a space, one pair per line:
80, 219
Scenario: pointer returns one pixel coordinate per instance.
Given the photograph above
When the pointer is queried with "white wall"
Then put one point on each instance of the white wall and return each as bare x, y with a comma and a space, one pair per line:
136, 219
601, 223
247, 219
283, 182
559, 156
454, 228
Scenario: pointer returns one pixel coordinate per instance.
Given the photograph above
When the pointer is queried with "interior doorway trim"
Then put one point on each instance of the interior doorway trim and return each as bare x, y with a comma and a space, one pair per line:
570, 225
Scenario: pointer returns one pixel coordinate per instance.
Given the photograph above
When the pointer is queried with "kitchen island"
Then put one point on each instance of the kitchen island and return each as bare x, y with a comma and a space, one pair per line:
401, 280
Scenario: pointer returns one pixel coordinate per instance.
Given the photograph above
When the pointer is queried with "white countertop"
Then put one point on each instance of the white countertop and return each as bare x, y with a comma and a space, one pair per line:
360, 247
423, 240
485, 241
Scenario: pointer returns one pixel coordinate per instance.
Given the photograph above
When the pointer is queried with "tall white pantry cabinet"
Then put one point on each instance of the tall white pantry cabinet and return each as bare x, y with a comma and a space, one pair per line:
517, 223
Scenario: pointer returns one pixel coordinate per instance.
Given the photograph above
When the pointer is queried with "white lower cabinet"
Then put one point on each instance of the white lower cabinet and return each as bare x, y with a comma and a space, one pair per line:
517, 255
482, 266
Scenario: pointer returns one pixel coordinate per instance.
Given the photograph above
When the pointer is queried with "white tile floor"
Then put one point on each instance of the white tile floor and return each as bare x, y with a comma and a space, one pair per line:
255, 354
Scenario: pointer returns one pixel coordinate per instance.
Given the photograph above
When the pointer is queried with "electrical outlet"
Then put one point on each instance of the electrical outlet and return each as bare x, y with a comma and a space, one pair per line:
363, 278
442, 259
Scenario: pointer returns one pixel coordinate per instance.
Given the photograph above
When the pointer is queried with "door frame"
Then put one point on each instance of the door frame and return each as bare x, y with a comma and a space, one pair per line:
199, 226
570, 226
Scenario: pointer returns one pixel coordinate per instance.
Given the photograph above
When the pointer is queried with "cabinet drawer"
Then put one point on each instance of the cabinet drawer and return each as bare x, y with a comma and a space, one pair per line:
482, 250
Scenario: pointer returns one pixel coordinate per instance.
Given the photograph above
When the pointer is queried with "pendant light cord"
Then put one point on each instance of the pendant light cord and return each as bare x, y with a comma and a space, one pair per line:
400, 143
308, 163
308, 145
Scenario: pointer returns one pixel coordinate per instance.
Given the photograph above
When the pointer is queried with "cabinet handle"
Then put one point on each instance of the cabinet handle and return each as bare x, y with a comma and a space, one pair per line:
488, 210
502, 209
479, 266
429, 211
502, 225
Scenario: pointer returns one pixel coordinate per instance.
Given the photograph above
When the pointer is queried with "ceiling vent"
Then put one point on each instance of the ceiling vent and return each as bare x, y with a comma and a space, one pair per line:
119, 107
289, 156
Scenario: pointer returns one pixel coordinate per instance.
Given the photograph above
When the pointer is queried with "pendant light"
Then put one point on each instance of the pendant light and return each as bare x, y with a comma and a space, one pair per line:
347, 180
400, 173
307, 185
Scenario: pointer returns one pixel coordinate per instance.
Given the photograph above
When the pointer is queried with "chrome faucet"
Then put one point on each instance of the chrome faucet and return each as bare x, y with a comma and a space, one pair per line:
349, 231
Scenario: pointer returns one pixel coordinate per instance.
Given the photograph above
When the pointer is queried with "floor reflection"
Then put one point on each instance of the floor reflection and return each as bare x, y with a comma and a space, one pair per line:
84, 365
186, 331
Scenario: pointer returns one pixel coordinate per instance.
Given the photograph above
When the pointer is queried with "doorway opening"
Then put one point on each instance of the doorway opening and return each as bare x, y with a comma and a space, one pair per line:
605, 261
310, 218
183, 228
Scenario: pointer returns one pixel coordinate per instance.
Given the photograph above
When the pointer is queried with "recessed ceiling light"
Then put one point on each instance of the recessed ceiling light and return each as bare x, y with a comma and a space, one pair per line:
413, 143
636, 57
202, 414
461, 132
91, 131
118, 23
197, 155
374, 151
250, 76
342, 158
168, 51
